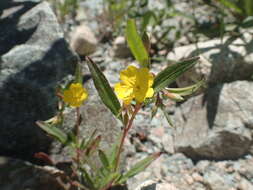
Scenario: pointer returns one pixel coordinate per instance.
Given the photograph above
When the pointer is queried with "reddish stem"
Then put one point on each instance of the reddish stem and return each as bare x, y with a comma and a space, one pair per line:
126, 129
77, 133
78, 117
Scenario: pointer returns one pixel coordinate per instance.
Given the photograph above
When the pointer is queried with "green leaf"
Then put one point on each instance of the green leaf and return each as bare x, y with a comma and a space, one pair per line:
172, 72
78, 74
53, 131
154, 111
87, 180
231, 5
85, 143
248, 22
107, 181
187, 90
72, 140
112, 157
146, 41
137, 168
248, 6
146, 18
166, 115
104, 89
103, 158
93, 146
135, 44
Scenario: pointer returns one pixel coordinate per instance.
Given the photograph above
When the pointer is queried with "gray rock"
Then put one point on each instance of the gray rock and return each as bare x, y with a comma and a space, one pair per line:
120, 48
221, 60
17, 174
34, 58
216, 181
168, 168
152, 185
217, 125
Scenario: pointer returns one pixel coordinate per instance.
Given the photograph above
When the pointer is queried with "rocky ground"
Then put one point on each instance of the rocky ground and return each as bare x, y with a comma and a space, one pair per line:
210, 145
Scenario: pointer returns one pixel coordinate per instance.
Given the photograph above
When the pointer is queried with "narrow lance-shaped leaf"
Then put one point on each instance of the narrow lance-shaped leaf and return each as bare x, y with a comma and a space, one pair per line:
106, 182
53, 131
187, 90
87, 180
172, 72
103, 158
166, 114
146, 19
104, 89
231, 5
137, 168
248, 6
86, 143
135, 44
146, 41
247, 22
92, 147
112, 156
78, 74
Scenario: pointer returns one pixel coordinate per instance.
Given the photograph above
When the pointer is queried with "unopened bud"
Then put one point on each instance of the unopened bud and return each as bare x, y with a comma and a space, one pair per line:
173, 96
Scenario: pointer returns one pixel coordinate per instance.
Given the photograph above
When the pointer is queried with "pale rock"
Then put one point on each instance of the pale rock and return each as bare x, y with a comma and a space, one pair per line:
120, 48
245, 185
83, 40
153, 185
221, 60
217, 125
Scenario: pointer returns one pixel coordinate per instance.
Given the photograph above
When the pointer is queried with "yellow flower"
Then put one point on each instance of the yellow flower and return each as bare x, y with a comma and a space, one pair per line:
75, 95
135, 84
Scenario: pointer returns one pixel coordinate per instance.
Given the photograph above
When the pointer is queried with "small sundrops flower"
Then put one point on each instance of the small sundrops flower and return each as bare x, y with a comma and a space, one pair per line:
75, 95
135, 84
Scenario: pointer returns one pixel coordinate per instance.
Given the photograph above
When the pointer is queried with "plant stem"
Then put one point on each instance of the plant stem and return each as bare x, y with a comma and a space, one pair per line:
125, 131
77, 134
76, 129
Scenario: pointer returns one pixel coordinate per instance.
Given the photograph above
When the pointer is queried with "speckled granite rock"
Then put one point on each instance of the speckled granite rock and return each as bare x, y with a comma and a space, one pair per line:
222, 60
179, 172
217, 125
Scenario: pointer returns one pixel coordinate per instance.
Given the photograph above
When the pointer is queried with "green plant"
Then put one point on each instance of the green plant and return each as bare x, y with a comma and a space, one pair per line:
138, 87
64, 8
241, 8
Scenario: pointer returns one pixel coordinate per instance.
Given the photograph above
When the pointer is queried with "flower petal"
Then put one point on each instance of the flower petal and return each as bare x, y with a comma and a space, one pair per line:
75, 95
124, 92
150, 93
150, 79
128, 76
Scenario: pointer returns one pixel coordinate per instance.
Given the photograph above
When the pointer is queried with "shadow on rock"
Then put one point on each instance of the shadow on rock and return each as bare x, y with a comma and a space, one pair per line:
10, 34
34, 58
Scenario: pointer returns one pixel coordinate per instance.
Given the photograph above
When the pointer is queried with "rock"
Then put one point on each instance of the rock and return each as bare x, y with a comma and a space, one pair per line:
244, 184
120, 48
83, 40
217, 125
34, 58
216, 181
152, 185
179, 172
172, 167
17, 174
221, 60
